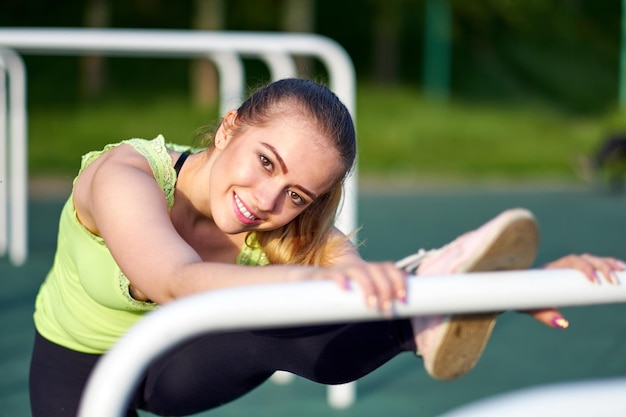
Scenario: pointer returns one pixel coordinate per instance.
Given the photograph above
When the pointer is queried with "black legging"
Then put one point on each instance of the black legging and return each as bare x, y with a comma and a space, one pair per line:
214, 369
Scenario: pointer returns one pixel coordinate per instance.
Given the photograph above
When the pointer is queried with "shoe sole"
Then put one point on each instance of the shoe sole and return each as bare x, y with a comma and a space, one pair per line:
512, 245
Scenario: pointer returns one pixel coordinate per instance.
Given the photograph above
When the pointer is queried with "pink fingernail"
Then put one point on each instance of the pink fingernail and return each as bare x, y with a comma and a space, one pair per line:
621, 264
596, 275
614, 278
560, 322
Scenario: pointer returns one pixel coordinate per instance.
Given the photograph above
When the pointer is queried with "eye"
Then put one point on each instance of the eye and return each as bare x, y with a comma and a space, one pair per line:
266, 163
295, 197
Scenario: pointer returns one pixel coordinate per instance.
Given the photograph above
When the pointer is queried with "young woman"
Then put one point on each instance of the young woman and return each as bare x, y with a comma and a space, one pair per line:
148, 223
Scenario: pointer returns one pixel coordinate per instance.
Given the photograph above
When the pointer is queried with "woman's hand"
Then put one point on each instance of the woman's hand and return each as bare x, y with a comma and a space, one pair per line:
381, 283
594, 268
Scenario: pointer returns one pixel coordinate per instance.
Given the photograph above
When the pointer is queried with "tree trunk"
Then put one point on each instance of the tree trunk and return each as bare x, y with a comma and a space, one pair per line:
299, 17
386, 35
93, 71
208, 15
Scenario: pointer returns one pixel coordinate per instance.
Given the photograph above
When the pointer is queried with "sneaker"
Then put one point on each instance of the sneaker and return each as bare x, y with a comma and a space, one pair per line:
452, 345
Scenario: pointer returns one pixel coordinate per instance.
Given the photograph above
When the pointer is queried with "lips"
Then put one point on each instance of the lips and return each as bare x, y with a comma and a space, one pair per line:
242, 212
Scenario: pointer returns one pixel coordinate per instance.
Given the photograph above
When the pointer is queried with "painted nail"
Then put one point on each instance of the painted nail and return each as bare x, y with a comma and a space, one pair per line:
402, 296
597, 277
560, 322
614, 278
621, 264
372, 301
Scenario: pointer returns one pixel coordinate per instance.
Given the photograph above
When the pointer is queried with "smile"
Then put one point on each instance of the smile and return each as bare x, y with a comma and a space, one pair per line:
243, 210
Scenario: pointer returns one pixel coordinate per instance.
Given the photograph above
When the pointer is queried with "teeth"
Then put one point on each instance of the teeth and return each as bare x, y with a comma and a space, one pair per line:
243, 209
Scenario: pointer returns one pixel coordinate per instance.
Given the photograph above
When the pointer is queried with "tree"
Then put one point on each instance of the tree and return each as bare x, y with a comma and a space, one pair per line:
299, 16
93, 70
207, 15
386, 28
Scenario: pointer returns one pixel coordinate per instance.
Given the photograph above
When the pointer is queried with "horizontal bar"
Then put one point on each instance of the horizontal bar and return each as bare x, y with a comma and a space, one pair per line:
186, 43
195, 43
319, 302
59, 41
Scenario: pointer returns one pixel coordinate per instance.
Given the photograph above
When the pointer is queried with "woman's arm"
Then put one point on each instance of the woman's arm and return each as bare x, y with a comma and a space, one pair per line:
117, 198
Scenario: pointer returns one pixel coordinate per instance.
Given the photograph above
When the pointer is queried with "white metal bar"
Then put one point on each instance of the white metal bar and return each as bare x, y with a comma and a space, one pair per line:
4, 181
280, 65
231, 79
181, 43
277, 305
17, 169
597, 398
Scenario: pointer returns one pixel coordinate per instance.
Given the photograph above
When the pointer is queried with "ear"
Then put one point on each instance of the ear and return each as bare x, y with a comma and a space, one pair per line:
226, 130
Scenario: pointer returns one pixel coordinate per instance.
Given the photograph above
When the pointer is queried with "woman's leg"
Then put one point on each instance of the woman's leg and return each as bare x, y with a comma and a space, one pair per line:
57, 379
212, 370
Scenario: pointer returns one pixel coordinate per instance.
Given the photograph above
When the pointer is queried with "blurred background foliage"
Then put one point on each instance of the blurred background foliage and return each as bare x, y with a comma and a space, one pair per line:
533, 86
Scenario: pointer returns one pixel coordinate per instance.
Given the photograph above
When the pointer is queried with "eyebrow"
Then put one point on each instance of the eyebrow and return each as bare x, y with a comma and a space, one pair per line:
281, 162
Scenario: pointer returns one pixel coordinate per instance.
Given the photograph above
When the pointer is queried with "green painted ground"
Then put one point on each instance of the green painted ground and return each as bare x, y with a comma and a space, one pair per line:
521, 353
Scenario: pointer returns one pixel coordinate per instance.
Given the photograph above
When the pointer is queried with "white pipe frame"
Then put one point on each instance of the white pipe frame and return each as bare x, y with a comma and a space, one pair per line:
224, 48
276, 305
4, 134
13, 158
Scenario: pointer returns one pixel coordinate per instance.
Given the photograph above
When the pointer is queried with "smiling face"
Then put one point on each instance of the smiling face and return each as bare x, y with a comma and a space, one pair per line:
262, 177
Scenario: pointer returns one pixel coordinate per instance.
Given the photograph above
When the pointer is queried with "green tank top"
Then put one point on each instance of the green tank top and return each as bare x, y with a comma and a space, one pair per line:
84, 303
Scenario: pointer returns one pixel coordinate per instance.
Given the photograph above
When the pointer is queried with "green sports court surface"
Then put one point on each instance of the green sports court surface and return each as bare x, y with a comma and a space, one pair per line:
521, 353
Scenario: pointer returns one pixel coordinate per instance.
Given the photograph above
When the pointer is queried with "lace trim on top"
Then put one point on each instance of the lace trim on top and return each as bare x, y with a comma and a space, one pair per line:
252, 254
155, 152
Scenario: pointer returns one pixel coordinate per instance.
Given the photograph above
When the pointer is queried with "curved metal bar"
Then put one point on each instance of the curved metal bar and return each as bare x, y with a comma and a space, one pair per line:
4, 183
118, 372
184, 43
17, 172
232, 80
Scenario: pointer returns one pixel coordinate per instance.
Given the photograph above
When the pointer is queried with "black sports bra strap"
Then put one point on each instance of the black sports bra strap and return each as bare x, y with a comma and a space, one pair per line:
179, 163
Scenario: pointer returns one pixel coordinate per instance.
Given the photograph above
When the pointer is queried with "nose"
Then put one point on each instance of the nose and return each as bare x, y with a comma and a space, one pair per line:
268, 195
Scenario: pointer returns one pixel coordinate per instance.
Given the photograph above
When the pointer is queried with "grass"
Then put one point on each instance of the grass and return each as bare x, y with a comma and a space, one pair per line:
401, 135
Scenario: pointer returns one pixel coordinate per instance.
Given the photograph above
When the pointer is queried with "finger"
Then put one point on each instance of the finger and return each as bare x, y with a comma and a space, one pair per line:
550, 317
385, 292
576, 262
363, 279
390, 284
604, 267
397, 279
580, 263
616, 265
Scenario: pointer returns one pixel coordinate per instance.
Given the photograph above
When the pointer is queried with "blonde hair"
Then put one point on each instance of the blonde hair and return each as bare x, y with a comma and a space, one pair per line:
309, 239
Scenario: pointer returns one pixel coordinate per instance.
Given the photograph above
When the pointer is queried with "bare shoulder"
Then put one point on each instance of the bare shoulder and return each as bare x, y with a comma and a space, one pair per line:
112, 172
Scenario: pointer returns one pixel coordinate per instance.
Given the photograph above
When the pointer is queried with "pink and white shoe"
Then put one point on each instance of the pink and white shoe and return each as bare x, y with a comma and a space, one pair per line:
452, 345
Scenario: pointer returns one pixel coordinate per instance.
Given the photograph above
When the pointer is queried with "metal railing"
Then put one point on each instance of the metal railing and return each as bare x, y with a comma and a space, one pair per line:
225, 49
13, 166
116, 375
